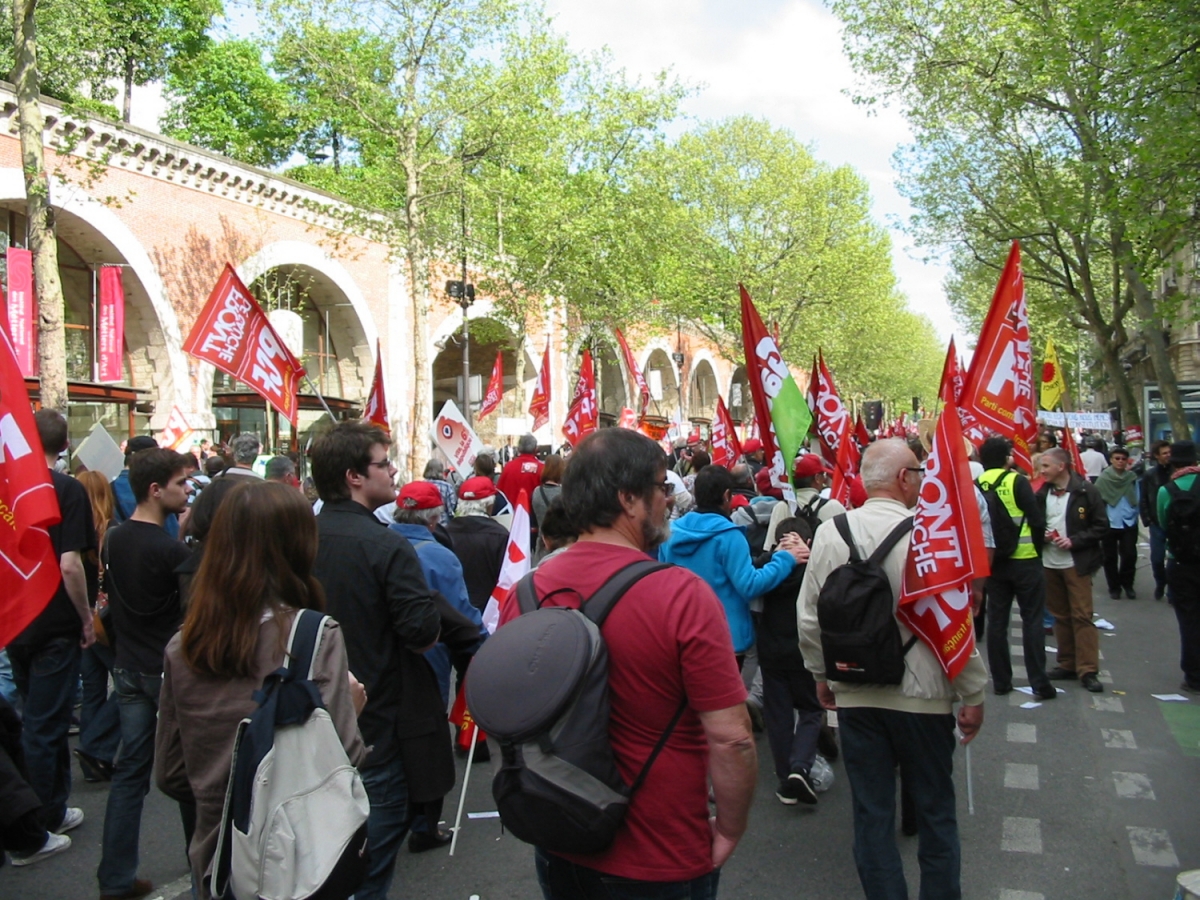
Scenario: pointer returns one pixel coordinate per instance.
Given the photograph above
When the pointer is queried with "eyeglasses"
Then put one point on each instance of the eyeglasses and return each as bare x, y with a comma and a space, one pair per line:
667, 487
920, 470
382, 464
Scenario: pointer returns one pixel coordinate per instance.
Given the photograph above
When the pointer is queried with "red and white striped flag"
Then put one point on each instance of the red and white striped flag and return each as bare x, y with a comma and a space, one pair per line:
516, 562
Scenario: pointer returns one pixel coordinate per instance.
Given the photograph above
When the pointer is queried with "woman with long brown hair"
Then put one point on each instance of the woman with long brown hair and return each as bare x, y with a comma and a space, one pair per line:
255, 575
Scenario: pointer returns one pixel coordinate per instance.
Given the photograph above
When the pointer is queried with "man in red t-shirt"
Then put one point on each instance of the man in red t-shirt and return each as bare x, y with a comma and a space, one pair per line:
522, 473
667, 639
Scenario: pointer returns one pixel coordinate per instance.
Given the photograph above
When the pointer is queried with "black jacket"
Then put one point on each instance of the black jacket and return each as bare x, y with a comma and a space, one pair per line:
375, 589
1087, 522
1155, 478
479, 544
778, 632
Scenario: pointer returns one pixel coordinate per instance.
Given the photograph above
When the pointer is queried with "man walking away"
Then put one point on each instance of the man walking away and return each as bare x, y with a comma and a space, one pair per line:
1076, 524
1118, 485
1179, 514
244, 449
1156, 477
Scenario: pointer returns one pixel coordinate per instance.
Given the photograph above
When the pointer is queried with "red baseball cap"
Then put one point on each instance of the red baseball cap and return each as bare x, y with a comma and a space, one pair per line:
419, 495
479, 487
810, 464
763, 482
751, 446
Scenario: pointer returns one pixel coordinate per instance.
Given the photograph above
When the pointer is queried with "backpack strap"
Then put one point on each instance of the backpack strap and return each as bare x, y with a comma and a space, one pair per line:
658, 748
527, 598
302, 644
600, 604
890, 542
843, 527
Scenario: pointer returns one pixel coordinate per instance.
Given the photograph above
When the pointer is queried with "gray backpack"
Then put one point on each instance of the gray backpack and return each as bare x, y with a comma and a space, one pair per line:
539, 686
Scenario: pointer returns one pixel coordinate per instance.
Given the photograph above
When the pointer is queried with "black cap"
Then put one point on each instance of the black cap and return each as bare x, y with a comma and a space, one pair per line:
137, 444
1183, 453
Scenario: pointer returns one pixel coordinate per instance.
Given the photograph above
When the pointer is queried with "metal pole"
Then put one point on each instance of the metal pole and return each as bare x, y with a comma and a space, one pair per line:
462, 797
970, 784
466, 336
319, 397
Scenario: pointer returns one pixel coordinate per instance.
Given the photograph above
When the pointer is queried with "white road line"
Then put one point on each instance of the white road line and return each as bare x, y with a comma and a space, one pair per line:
1117, 739
1019, 733
1006, 894
1019, 672
1100, 654
1152, 847
1016, 632
1105, 676
176, 888
1021, 776
1133, 786
1108, 704
1022, 835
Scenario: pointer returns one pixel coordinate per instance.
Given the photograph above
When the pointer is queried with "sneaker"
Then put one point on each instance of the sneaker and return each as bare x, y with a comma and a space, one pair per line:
73, 818
1114, 593
55, 843
803, 789
1058, 673
1130, 594
1091, 682
787, 793
1159, 591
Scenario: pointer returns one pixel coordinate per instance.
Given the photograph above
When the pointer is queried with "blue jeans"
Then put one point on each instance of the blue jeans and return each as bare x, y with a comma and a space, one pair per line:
874, 741
563, 880
137, 700
8, 687
47, 678
99, 715
1158, 555
387, 825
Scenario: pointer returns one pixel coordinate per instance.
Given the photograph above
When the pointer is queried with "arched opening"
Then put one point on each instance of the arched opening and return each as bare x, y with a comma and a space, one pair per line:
610, 383
739, 402
664, 386
702, 394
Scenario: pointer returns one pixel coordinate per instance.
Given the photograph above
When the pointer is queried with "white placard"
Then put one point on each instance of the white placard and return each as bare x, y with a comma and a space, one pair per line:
1097, 421
511, 426
456, 439
100, 453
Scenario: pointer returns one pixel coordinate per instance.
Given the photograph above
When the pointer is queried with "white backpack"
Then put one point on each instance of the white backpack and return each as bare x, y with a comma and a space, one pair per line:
294, 825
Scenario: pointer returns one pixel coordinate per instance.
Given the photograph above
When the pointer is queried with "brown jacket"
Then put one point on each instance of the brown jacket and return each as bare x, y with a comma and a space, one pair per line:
198, 717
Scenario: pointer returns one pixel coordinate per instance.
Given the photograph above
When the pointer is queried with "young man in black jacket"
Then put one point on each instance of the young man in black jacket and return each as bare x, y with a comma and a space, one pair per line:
1156, 476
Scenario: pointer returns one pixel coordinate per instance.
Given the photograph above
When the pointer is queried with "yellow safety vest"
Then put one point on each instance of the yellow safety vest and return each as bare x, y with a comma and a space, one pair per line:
997, 481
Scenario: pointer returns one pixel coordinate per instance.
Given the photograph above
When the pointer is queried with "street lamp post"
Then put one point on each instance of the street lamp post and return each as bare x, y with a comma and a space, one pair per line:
464, 293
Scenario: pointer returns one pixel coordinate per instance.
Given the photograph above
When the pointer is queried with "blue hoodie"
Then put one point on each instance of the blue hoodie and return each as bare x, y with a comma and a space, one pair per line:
716, 549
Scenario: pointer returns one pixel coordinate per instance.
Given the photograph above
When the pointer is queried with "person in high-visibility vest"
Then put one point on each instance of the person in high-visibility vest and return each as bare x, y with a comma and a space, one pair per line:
1018, 524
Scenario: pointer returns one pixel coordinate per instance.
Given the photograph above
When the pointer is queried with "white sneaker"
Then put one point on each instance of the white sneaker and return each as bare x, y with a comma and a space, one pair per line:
72, 819
55, 843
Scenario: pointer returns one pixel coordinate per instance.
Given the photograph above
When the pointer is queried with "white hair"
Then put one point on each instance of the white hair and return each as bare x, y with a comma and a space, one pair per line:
474, 507
426, 517
882, 460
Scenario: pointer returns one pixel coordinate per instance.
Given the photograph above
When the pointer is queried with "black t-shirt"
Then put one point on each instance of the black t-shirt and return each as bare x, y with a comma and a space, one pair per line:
143, 592
74, 533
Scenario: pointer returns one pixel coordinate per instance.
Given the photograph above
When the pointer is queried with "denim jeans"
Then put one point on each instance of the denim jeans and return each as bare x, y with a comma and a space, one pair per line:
47, 678
137, 699
1024, 581
99, 716
563, 880
874, 741
1158, 555
387, 824
8, 687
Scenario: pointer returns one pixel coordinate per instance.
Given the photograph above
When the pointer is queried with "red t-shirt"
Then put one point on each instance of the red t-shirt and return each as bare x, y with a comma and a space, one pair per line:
665, 638
523, 472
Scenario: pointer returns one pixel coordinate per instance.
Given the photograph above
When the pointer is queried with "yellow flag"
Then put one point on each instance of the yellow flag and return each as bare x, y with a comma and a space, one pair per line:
1053, 383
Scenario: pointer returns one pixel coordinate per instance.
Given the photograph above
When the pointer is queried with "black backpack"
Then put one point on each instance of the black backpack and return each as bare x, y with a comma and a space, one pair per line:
859, 635
539, 686
1005, 532
810, 513
1183, 522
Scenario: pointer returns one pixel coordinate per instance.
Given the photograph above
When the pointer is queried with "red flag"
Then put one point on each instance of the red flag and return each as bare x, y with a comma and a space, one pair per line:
582, 416
999, 387
946, 551
539, 406
28, 506
861, 434
110, 325
628, 419
232, 332
495, 391
376, 411
845, 467
178, 433
761, 369
22, 311
463, 721
632, 366
1072, 448
726, 448
828, 410
950, 389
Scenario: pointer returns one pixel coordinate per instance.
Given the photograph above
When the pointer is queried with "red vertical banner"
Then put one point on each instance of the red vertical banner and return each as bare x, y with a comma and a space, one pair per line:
495, 388
377, 412
110, 325
829, 413
726, 448
631, 364
539, 406
22, 311
583, 417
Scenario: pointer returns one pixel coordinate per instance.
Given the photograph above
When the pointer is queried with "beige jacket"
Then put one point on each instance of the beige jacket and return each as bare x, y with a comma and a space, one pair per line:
925, 688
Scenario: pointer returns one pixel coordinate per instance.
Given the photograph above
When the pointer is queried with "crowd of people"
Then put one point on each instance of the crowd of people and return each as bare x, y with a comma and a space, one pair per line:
182, 577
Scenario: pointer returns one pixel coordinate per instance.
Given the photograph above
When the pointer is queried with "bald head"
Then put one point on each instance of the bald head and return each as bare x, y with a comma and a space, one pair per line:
886, 471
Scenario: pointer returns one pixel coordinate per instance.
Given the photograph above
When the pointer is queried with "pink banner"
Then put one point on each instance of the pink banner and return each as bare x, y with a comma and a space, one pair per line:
21, 310
110, 326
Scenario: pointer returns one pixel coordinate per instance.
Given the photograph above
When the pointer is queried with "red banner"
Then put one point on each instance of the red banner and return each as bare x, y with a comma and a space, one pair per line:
110, 326
22, 311
376, 411
1072, 449
845, 466
999, 387
763, 365
829, 413
632, 366
177, 434
539, 406
232, 333
726, 448
28, 506
946, 551
950, 389
861, 434
582, 417
495, 390
628, 419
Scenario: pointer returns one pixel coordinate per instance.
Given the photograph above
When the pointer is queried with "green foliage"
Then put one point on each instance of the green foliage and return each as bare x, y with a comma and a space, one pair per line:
69, 69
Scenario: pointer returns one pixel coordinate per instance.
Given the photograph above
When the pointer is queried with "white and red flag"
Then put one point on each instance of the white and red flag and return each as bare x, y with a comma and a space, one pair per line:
516, 563
232, 332
999, 386
539, 406
110, 325
829, 412
376, 411
28, 506
632, 366
628, 419
946, 551
22, 310
177, 435
726, 448
495, 389
582, 417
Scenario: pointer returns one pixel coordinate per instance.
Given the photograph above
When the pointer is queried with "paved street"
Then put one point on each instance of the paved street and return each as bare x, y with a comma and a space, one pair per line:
1088, 796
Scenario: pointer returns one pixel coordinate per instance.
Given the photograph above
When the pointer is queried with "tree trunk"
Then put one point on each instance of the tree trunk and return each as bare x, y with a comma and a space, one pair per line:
1110, 358
127, 108
1156, 343
418, 269
52, 342
519, 370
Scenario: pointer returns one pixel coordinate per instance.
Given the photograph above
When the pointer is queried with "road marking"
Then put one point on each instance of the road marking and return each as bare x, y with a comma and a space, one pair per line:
1017, 652
1108, 704
1133, 786
176, 888
1117, 739
1022, 734
1105, 676
1021, 776
1006, 894
1100, 654
1016, 632
1152, 847
1022, 835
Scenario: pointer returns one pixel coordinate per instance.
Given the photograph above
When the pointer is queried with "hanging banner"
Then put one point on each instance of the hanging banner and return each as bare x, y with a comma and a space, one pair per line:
726, 448
376, 411
632, 366
457, 439
539, 406
22, 311
110, 326
582, 417
232, 332
828, 410
495, 389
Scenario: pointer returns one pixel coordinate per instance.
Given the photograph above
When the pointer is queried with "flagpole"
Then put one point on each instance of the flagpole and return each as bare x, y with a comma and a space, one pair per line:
970, 785
462, 797
313, 387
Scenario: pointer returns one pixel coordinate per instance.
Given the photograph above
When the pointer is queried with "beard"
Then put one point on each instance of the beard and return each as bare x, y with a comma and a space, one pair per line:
654, 536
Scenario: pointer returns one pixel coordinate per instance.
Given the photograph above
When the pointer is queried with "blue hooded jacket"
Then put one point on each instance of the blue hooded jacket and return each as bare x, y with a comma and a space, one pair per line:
716, 549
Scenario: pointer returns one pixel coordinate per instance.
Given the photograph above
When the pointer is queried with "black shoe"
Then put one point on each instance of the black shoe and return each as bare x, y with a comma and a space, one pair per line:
1058, 673
420, 841
1130, 593
1159, 591
1046, 692
802, 788
94, 770
1189, 688
1090, 681
827, 744
1001, 689
1114, 593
